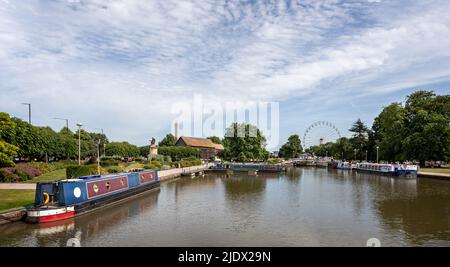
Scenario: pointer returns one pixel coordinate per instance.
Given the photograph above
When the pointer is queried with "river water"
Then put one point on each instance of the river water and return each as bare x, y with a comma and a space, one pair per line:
303, 207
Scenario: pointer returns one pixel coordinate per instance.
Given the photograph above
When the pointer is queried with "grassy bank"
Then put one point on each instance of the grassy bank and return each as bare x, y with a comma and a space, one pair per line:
50, 176
435, 170
13, 198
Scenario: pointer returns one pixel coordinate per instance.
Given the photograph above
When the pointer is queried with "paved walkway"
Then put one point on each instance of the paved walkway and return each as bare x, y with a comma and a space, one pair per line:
17, 186
444, 176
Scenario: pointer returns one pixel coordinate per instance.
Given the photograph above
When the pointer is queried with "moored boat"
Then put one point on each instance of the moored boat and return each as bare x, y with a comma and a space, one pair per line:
404, 170
68, 198
344, 165
248, 167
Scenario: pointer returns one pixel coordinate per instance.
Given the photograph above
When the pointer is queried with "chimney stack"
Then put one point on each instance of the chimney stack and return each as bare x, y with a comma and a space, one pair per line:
176, 130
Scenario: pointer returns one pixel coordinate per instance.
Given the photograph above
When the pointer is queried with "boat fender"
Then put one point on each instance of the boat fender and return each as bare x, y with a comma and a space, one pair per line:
46, 198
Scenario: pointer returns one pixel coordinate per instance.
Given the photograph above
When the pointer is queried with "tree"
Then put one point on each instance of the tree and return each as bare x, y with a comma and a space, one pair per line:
7, 150
69, 144
359, 139
292, 149
427, 135
26, 137
122, 149
244, 142
169, 140
389, 132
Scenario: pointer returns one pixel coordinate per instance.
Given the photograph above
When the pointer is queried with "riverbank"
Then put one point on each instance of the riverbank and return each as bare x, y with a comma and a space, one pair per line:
434, 175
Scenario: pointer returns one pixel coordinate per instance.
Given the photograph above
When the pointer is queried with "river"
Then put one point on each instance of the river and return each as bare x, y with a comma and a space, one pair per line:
303, 207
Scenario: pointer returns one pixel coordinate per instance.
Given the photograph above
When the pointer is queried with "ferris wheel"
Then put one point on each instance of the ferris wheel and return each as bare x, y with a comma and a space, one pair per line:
320, 132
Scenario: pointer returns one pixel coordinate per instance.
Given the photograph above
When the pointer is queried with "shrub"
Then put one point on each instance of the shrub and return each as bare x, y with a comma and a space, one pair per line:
8, 176
178, 152
31, 171
152, 166
76, 171
41, 166
23, 176
114, 169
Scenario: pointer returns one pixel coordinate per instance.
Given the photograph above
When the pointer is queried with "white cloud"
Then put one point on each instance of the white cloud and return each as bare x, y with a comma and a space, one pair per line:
121, 64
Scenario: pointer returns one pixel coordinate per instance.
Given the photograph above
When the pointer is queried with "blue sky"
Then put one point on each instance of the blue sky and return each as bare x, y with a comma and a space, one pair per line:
120, 65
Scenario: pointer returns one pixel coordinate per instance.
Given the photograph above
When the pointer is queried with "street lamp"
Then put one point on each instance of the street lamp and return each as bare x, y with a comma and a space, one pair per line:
67, 122
79, 142
98, 156
104, 145
377, 152
366, 156
29, 111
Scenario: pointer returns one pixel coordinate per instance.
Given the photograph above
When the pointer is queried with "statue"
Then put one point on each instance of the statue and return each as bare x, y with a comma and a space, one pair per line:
153, 141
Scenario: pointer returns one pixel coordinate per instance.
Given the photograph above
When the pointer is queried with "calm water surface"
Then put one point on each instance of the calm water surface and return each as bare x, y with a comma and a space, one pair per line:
304, 207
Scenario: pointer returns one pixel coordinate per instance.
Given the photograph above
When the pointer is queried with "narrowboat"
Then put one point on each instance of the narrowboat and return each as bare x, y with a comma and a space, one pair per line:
248, 167
344, 165
403, 170
68, 198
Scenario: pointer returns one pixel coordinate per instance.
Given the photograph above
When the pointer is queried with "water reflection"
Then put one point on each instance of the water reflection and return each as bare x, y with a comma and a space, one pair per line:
302, 207
74, 231
422, 211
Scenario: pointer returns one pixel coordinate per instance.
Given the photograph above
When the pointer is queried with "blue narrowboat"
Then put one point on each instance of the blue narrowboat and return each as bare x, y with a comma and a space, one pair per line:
68, 198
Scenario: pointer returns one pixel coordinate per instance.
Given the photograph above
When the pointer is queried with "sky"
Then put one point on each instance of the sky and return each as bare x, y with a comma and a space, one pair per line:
121, 65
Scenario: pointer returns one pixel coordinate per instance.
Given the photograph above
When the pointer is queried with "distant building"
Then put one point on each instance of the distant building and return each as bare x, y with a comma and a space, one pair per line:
207, 148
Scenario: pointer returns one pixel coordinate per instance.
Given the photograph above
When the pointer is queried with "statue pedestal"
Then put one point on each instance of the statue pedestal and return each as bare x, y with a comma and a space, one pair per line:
153, 151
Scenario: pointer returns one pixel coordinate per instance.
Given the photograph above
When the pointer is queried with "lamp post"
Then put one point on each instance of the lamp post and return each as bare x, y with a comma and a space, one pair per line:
104, 145
79, 142
98, 156
366, 156
377, 152
29, 111
67, 121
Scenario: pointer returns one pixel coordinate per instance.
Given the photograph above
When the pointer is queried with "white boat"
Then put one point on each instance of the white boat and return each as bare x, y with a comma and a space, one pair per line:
344, 165
406, 170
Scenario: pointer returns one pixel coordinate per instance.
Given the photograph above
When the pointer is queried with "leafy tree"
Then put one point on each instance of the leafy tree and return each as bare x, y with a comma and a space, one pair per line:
26, 137
69, 144
292, 149
244, 142
7, 150
389, 131
428, 131
122, 149
169, 140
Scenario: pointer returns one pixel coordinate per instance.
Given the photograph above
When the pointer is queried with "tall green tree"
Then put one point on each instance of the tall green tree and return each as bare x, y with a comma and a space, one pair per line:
244, 142
428, 127
360, 138
7, 150
168, 140
389, 131
122, 149
292, 148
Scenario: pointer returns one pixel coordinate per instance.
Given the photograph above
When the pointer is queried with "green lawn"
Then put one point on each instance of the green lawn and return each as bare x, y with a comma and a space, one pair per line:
50, 176
13, 198
435, 170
